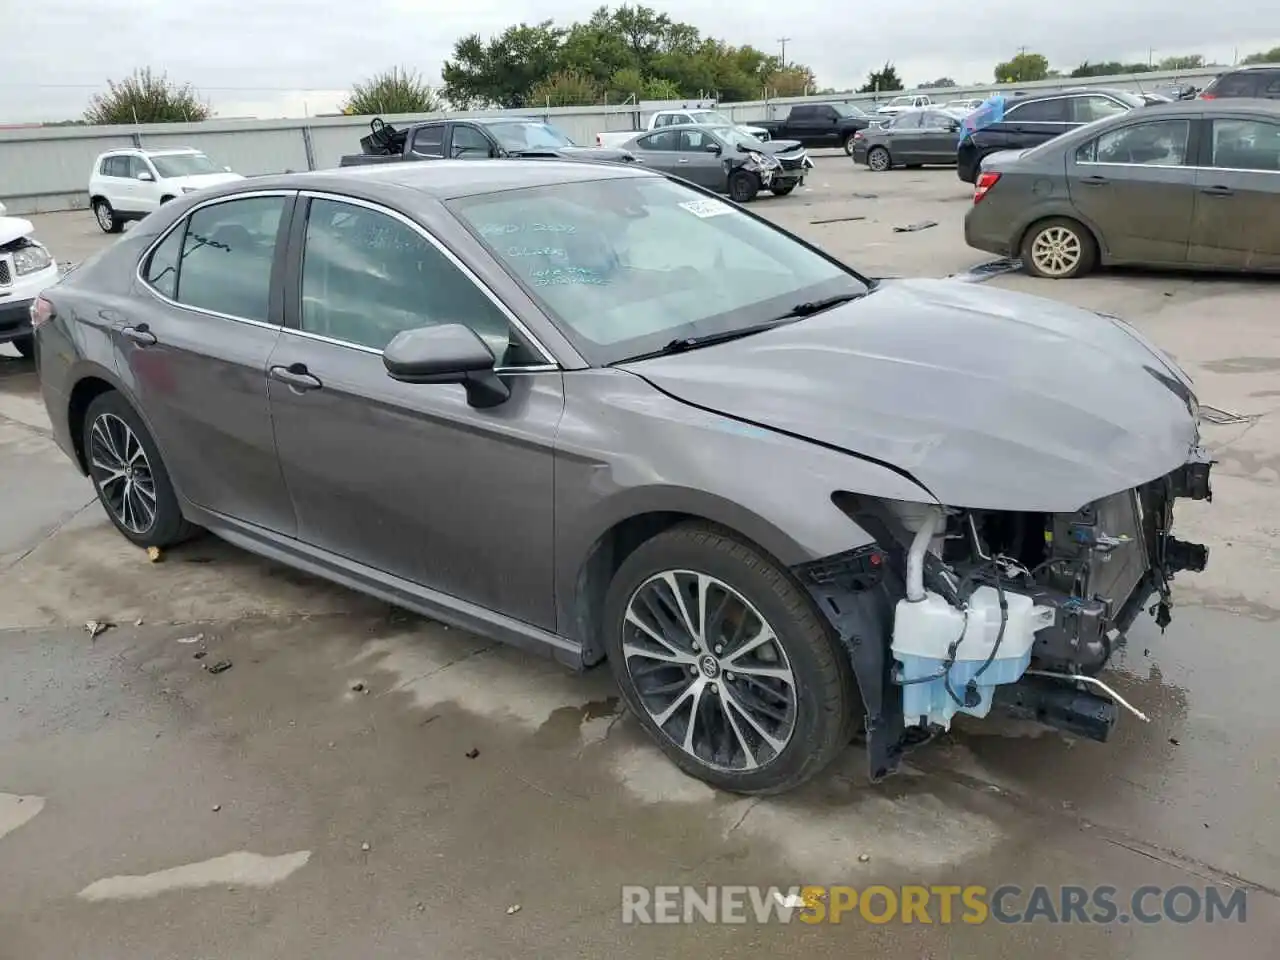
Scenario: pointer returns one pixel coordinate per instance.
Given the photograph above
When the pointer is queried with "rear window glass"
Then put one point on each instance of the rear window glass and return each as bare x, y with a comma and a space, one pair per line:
1234, 85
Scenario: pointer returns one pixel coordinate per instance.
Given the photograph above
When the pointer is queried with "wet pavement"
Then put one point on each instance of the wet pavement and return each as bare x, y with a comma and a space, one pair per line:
361, 782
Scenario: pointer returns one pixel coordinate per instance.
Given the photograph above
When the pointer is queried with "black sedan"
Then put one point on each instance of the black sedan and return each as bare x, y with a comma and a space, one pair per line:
1190, 184
910, 139
723, 159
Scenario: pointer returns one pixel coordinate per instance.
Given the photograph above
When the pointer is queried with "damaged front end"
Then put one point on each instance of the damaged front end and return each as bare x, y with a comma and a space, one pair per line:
956, 610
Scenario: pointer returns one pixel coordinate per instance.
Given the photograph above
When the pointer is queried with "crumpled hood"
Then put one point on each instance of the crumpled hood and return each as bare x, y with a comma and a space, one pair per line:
11, 228
988, 398
779, 146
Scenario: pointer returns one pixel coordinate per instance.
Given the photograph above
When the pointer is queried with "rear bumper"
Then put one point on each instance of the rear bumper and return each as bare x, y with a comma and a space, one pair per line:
987, 233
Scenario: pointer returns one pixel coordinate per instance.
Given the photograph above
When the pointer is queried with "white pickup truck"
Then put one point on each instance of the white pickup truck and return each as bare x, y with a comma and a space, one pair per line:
669, 118
909, 102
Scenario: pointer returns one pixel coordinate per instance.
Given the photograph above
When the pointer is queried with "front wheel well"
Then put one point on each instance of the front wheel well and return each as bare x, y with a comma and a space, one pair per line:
83, 394
1021, 238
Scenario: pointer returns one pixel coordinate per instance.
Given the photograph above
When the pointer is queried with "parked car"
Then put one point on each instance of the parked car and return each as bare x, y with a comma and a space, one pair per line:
128, 184
917, 101
1192, 184
673, 118
475, 138
911, 139
724, 160
26, 270
1262, 83
606, 415
1032, 120
963, 106
819, 125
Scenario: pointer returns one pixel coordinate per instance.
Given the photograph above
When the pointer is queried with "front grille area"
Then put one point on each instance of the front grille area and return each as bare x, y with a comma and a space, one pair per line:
6, 278
792, 163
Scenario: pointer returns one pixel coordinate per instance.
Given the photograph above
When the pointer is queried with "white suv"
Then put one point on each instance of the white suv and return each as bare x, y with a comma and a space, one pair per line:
129, 184
26, 269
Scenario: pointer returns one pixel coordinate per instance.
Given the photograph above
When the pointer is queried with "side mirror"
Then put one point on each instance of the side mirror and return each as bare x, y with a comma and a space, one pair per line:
146, 176
228, 169
713, 147
448, 353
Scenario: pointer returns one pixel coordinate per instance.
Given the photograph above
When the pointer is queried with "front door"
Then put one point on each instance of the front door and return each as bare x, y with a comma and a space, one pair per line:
1237, 198
468, 143
938, 135
1134, 184
410, 479
194, 349
697, 163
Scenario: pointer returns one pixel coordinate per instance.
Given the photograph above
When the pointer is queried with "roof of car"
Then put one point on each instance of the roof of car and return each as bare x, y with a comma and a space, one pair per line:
163, 152
444, 179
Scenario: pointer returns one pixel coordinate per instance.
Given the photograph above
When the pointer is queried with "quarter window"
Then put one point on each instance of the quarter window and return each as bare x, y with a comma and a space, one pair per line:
367, 276
1158, 143
161, 270
227, 256
1246, 145
666, 140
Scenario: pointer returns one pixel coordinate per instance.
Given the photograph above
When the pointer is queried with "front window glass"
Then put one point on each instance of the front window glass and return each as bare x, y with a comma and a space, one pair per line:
624, 266
183, 165
528, 135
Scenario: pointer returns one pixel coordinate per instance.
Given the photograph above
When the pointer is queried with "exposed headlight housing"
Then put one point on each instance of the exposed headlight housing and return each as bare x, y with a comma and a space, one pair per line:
31, 259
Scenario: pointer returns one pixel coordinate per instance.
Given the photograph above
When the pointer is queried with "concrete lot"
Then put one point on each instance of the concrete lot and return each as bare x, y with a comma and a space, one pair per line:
364, 828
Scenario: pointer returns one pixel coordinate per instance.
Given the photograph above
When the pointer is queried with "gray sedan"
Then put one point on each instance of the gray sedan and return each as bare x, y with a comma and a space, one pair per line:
723, 159
604, 415
911, 139
1192, 184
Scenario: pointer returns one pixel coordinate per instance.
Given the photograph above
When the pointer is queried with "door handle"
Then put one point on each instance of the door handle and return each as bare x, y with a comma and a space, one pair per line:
141, 335
296, 376
1218, 191
1094, 181
682, 160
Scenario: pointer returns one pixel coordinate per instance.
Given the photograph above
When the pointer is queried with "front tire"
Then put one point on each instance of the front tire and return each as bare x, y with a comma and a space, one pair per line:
108, 220
783, 191
26, 347
128, 475
878, 159
1059, 249
726, 662
743, 186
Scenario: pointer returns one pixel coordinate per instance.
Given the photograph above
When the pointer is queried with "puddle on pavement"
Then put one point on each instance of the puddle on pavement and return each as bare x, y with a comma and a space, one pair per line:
240, 869
16, 811
569, 725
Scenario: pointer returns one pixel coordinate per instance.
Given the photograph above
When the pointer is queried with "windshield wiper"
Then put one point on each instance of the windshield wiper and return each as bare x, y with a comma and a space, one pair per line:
810, 307
681, 344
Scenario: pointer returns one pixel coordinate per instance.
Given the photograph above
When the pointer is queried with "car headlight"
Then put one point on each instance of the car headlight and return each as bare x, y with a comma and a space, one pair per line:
31, 259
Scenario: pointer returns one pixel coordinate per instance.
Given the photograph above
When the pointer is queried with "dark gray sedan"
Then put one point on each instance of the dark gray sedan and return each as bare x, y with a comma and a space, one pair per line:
723, 159
911, 139
605, 415
1192, 184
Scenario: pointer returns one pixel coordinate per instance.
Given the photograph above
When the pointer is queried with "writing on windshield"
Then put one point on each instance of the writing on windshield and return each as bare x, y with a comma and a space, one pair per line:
529, 135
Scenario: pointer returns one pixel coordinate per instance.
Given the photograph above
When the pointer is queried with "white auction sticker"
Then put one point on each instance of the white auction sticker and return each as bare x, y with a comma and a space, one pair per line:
706, 208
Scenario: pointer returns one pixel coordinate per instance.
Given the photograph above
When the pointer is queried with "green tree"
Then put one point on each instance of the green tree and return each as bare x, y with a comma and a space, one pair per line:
940, 84
397, 90
1023, 68
1191, 61
882, 80
1109, 68
626, 51
565, 89
790, 82
1266, 56
146, 97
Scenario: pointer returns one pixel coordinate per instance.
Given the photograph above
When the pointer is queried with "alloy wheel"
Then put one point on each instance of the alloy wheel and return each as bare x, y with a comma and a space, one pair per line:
103, 213
878, 160
120, 468
1056, 251
709, 670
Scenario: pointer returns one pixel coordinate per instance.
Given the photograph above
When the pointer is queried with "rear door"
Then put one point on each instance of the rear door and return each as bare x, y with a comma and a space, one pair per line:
1135, 184
814, 125
904, 136
194, 345
660, 150
1028, 124
1237, 196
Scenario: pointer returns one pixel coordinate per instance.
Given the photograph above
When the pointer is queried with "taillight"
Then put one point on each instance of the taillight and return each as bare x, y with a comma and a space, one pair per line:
1208, 96
985, 182
857, 135
41, 312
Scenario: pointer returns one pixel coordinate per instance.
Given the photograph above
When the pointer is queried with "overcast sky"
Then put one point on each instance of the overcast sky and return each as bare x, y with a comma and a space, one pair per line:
273, 58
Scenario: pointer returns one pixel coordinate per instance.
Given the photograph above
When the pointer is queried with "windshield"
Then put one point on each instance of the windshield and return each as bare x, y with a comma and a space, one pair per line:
625, 266
710, 116
528, 135
735, 137
183, 165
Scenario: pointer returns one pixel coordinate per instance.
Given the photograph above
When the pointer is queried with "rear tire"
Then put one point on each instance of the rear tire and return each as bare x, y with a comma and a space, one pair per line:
108, 220
1059, 248
26, 347
743, 186
848, 144
770, 713
878, 159
128, 475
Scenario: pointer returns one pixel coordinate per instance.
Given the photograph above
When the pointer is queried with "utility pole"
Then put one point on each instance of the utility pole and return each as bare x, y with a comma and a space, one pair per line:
784, 41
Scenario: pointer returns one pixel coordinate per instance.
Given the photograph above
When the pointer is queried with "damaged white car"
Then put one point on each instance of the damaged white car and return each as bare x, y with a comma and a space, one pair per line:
26, 270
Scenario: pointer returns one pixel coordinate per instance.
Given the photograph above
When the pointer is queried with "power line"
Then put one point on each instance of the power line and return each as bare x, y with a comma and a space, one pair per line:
784, 41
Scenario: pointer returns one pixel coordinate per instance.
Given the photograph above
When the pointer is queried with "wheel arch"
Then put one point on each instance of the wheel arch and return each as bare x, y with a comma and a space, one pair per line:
887, 152
1058, 212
